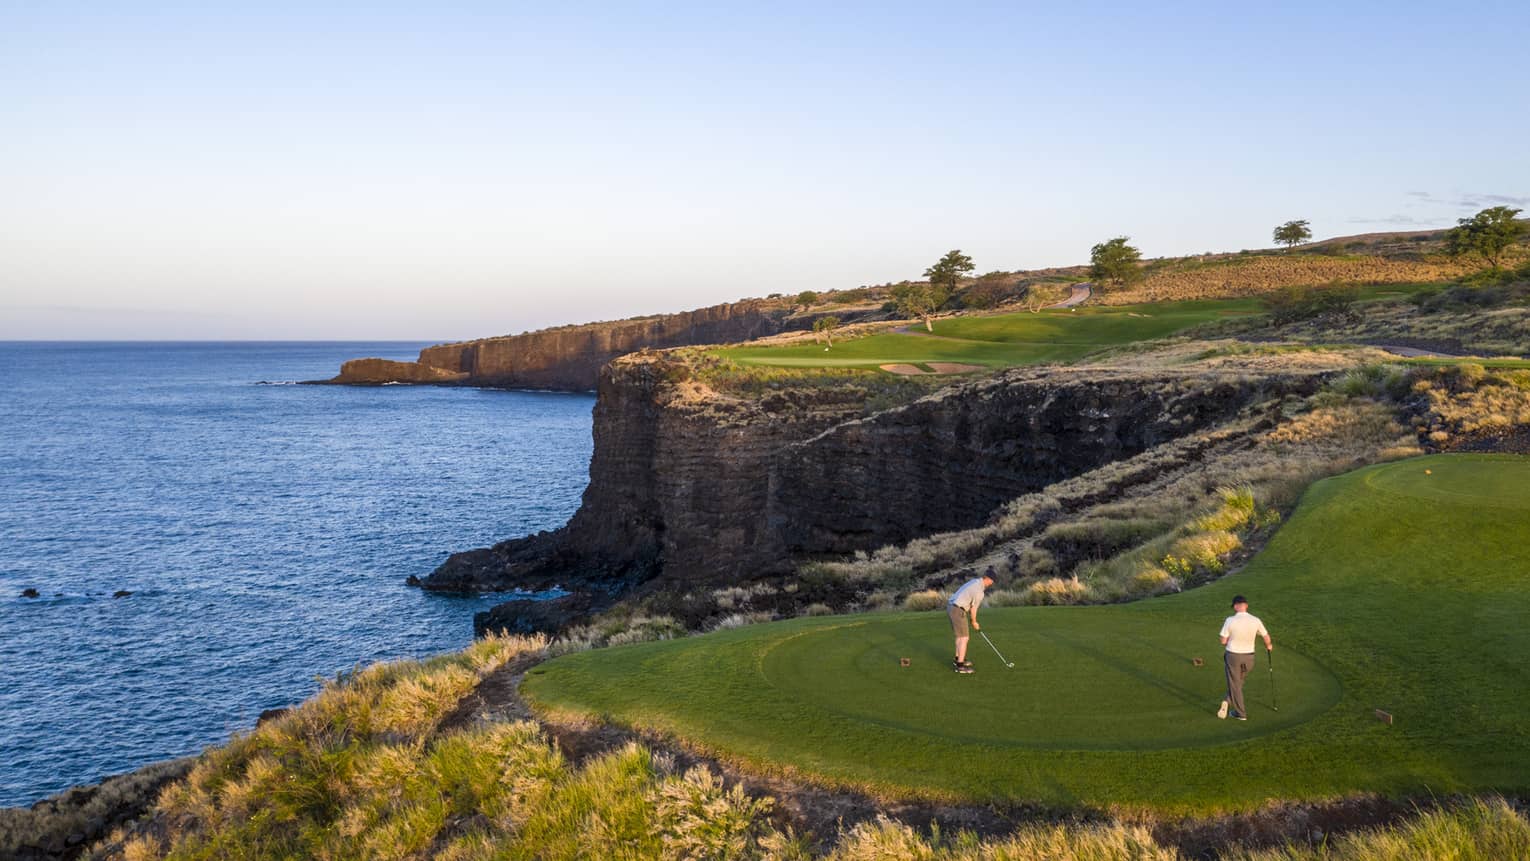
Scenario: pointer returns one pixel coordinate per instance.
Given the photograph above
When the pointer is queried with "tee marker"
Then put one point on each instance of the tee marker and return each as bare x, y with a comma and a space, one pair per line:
1384, 717
903, 662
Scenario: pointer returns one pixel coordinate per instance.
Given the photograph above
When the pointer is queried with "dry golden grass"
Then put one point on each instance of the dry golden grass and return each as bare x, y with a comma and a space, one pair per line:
1257, 274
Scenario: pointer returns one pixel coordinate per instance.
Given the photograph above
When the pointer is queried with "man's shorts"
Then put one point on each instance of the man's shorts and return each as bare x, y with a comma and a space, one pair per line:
958, 620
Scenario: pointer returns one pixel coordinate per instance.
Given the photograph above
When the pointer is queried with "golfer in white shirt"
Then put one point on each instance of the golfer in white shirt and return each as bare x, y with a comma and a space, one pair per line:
1238, 634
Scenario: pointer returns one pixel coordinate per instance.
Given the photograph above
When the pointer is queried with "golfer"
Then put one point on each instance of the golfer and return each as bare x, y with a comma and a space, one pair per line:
1238, 634
963, 606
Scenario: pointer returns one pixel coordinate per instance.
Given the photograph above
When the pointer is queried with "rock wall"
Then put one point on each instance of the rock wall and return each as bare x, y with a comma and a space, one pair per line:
687, 488
947, 461
569, 358
379, 371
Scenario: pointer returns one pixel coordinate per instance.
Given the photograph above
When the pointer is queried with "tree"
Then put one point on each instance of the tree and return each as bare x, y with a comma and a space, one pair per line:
923, 300
826, 325
1115, 262
1489, 233
1293, 233
919, 300
807, 298
948, 270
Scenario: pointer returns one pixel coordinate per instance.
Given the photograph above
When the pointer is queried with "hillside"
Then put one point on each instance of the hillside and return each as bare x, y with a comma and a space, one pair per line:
570, 357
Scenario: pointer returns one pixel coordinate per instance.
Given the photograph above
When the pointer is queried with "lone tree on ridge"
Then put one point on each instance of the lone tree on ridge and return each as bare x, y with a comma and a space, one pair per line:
826, 325
807, 298
1489, 233
923, 300
1114, 262
1293, 233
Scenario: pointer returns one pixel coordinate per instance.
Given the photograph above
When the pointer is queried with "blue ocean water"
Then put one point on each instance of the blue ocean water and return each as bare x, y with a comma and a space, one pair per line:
265, 531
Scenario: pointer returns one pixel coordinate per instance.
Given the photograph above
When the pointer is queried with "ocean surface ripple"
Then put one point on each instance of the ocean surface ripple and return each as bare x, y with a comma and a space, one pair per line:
263, 530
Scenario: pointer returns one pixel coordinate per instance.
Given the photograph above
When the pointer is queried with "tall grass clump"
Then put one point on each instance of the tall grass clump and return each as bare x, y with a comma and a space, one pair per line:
1481, 830
358, 769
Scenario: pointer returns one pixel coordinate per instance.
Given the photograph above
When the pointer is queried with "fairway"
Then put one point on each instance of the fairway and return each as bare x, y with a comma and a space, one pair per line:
1388, 588
1002, 340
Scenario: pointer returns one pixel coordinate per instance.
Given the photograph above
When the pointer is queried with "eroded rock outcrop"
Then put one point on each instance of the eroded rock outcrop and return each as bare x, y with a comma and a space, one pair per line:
569, 358
691, 487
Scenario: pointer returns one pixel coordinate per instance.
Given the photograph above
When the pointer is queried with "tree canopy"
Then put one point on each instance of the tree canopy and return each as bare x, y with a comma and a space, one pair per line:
1489, 233
949, 269
807, 298
1293, 233
1115, 262
826, 326
920, 300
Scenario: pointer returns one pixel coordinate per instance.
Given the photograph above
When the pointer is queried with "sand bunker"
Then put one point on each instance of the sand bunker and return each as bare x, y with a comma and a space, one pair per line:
935, 368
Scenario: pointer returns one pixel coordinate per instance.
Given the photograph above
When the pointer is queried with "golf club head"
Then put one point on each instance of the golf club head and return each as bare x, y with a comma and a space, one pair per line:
1011, 665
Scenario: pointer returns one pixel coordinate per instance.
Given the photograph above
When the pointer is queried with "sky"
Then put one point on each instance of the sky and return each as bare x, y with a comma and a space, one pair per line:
451, 170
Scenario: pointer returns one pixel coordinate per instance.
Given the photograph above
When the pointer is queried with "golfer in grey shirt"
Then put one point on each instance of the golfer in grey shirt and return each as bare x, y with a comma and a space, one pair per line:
963, 606
1238, 633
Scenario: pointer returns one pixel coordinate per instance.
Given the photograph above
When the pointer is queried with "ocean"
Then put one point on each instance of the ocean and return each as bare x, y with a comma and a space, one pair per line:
263, 529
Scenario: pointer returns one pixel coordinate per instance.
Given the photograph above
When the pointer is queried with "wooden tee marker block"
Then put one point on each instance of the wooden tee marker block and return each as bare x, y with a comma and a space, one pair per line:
903, 662
1197, 662
1384, 717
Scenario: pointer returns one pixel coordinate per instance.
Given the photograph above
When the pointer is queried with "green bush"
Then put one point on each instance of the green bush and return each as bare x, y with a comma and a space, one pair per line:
1294, 304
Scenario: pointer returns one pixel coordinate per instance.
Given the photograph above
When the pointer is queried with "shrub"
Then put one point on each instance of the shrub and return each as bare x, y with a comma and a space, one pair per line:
1293, 304
698, 819
1235, 512
929, 599
739, 620
1203, 551
1153, 580
818, 610
1057, 590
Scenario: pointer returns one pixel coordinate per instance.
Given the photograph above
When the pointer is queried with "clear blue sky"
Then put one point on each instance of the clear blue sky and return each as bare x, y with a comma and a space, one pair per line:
452, 169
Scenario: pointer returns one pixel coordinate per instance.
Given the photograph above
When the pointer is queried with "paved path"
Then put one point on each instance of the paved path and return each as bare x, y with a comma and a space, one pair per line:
1080, 295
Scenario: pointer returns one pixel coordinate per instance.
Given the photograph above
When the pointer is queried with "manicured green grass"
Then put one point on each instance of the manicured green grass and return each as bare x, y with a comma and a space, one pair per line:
1511, 364
1003, 340
1388, 588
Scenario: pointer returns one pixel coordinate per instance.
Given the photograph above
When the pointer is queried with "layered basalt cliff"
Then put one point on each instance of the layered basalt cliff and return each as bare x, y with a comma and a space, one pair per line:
569, 358
691, 487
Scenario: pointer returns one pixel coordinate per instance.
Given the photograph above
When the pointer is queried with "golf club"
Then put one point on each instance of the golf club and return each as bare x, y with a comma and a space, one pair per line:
1010, 664
1274, 703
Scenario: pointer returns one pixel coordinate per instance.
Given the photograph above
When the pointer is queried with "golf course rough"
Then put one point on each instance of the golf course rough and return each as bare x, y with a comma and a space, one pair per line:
1389, 588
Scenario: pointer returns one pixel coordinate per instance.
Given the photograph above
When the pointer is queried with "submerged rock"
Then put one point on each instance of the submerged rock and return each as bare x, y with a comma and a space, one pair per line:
29, 592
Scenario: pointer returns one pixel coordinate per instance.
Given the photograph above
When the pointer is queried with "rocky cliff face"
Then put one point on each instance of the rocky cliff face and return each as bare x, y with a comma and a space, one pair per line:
690, 487
947, 461
678, 486
569, 358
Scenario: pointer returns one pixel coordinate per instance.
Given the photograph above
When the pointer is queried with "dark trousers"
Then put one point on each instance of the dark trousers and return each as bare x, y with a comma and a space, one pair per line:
1238, 668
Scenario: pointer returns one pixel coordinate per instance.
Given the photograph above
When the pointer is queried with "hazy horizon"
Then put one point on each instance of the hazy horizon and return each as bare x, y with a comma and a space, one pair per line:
468, 170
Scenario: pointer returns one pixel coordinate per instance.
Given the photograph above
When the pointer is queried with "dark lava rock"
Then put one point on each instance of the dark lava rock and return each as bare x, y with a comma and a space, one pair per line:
29, 592
527, 616
272, 714
121, 593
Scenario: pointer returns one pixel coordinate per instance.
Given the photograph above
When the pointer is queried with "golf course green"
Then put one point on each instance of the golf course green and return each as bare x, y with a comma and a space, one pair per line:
1002, 340
1403, 587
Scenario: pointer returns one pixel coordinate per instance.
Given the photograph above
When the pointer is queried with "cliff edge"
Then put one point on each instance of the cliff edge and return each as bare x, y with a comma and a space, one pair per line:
569, 358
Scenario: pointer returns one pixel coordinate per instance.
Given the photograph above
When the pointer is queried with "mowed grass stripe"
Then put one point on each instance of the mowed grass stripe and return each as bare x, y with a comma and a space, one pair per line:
1002, 340
1388, 588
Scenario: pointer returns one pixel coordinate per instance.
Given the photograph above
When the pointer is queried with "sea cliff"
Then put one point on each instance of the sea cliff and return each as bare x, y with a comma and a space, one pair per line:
569, 358
691, 487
